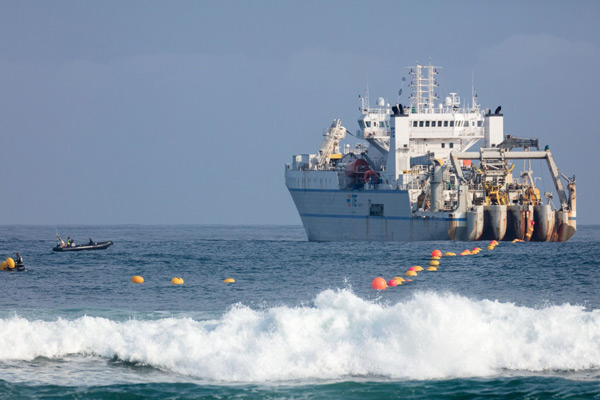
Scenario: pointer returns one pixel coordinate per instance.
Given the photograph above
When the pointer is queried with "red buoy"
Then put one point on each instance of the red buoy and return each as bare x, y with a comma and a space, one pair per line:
436, 252
379, 283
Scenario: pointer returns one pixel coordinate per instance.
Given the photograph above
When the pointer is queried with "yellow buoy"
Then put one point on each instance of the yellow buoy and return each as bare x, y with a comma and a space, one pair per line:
137, 279
418, 268
10, 262
229, 280
450, 254
410, 273
177, 281
399, 279
434, 263
3, 266
436, 257
431, 269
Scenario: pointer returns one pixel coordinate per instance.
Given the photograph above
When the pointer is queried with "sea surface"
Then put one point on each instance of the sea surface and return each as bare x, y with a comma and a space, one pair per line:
301, 320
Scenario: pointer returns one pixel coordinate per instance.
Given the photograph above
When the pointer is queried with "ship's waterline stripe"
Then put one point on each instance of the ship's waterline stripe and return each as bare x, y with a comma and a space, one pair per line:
377, 217
395, 218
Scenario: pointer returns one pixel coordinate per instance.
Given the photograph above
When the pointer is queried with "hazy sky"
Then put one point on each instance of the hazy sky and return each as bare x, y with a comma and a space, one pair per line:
165, 112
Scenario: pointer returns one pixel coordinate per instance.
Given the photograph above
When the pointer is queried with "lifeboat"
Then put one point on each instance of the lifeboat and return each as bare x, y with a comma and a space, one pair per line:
357, 168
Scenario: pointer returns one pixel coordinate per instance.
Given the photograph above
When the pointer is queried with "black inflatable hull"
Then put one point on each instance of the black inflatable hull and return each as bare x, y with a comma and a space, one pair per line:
81, 247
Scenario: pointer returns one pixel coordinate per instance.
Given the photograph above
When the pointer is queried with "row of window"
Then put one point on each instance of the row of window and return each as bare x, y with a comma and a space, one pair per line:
381, 124
422, 124
445, 124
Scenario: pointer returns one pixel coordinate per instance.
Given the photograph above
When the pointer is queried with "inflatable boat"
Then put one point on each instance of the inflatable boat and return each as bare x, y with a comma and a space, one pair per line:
95, 246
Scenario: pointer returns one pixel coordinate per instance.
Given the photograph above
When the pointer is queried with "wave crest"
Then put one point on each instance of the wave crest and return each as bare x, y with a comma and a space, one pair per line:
428, 336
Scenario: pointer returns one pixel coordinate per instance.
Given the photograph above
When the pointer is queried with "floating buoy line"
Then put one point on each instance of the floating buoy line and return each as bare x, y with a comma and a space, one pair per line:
136, 278
380, 283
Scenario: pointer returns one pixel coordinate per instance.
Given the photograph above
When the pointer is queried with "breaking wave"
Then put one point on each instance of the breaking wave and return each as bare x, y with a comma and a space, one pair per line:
430, 336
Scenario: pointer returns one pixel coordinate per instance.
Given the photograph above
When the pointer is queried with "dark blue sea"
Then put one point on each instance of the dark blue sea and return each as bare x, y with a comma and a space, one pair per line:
301, 320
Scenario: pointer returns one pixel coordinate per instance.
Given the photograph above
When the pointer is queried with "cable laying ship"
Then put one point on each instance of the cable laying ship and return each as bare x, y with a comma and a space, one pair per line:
416, 180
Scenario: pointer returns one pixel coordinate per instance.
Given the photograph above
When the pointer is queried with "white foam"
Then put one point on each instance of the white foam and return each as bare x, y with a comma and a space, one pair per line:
429, 336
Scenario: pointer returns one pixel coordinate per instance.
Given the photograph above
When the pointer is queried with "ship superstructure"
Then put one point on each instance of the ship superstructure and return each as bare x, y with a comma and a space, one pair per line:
414, 178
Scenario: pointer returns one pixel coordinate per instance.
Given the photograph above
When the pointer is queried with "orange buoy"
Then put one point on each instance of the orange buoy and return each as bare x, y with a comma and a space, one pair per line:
177, 281
10, 262
379, 283
137, 279
229, 280
436, 252
3, 266
412, 269
392, 282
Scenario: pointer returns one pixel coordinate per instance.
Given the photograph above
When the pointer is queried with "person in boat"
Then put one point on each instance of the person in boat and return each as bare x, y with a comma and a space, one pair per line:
91, 243
70, 242
19, 263
60, 243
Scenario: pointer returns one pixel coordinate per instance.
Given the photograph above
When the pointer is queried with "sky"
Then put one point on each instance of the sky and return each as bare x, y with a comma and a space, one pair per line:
186, 112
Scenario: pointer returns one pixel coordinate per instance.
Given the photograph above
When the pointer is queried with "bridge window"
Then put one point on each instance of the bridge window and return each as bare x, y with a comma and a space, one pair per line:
415, 123
439, 124
480, 123
451, 124
368, 124
467, 124
427, 124
443, 145
381, 124
451, 145
361, 123
420, 124
445, 124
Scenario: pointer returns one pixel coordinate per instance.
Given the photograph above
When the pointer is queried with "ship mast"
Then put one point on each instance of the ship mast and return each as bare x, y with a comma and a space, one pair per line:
423, 85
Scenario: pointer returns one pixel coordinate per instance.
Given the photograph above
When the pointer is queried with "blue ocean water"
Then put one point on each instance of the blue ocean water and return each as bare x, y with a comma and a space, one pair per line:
301, 319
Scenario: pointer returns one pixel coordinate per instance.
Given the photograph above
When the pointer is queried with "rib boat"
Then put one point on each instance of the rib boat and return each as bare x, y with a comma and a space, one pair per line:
81, 247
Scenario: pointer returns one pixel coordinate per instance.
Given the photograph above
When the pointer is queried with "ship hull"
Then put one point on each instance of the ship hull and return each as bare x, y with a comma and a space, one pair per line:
339, 215
330, 215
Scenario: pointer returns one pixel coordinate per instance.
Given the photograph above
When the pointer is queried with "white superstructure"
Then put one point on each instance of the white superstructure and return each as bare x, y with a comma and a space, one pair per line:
413, 178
